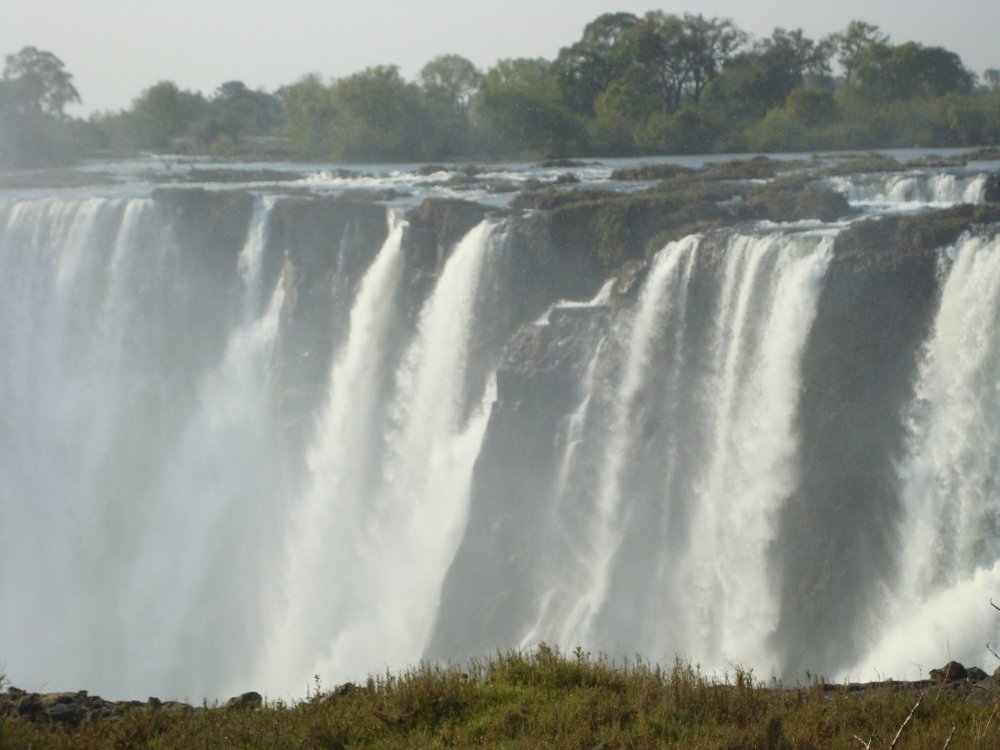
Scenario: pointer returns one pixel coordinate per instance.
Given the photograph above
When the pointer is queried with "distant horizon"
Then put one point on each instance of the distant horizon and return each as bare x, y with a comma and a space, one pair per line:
115, 50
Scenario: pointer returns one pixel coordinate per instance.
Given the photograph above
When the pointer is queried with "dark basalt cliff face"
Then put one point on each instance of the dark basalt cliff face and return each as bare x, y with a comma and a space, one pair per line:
322, 247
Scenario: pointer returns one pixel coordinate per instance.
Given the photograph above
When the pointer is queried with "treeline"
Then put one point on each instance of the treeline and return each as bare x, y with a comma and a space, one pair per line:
655, 84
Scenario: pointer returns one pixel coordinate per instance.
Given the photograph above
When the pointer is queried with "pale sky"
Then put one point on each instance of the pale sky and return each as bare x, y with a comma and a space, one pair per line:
116, 48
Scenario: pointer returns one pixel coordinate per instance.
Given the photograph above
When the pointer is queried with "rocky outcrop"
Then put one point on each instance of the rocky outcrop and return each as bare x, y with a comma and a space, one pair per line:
74, 709
605, 229
250, 701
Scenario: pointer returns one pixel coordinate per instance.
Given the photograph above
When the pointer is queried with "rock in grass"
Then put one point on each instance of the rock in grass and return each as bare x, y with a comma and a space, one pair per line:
950, 672
247, 702
976, 674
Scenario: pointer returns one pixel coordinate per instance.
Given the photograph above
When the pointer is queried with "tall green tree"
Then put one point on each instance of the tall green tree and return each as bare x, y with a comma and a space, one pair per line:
378, 116
449, 83
850, 43
659, 52
760, 79
162, 113
712, 41
451, 79
258, 112
37, 82
585, 69
906, 71
309, 113
518, 111
34, 130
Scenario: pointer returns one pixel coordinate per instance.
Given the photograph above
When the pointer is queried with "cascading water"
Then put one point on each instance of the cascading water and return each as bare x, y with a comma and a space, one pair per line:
249, 439
911, 189
686, 455
390, 468
324, 532
125, 458
950, 561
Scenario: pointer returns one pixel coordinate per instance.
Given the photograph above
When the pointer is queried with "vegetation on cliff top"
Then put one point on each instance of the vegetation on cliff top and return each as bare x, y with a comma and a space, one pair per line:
549, 700
652, 84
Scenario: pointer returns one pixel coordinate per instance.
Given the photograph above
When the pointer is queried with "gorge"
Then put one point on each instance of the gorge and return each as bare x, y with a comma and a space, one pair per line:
257, 426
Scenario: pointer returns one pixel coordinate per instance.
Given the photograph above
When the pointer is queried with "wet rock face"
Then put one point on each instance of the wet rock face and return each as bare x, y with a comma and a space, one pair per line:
536, 387
324, 246
435, 227
992, 192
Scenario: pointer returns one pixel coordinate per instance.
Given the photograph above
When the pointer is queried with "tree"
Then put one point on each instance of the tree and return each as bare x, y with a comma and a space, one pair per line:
451, 79
887, 73
760, 79
256, 112
585, 69
309, 111
161, 113
659, 53
677, 57
377, 116
852, 41
38, 82
517, 110
811, 107
712, 42
991, 77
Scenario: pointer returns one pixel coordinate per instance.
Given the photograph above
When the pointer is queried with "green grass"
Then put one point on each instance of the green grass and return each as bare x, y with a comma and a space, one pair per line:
546, 699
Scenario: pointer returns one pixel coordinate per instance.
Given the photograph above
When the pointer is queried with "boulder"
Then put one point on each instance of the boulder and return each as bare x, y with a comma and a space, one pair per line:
950, 672
250, 701
976, 674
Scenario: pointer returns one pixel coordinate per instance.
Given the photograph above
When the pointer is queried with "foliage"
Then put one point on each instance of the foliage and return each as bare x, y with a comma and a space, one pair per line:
852, 42
377, 116
308, 113
907, 71
451, 79
38, 82
33, 94
161, 113
519, 700
587, 68
517, 111
652, 84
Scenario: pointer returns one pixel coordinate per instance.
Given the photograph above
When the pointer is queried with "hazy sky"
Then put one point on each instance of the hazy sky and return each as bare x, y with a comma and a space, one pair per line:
116, 48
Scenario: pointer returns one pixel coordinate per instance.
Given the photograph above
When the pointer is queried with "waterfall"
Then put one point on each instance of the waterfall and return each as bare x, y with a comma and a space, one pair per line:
247, 439
390, 469
126, 456
681, 454
950, 534
911, 189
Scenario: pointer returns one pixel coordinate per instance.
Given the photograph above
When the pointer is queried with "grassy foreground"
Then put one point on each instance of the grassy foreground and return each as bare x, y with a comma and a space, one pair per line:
549, 700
